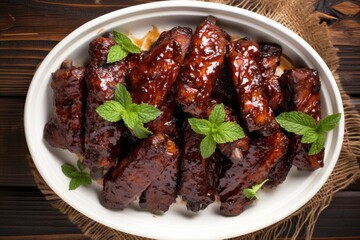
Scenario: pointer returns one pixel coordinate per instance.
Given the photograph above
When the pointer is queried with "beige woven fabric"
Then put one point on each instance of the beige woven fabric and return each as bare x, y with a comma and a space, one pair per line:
298, 16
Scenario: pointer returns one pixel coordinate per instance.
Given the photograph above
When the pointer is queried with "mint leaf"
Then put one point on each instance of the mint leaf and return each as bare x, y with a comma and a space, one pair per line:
200, 126
229, 132
318, 145
217, 115
130, 119
116, 53
122, 95
133, 115
125, 42
110, 111
147, 112
328, 123
251, 193
78, 176
303, 124
296, 122
215, 130
80, 165
309, 136
67, 169
74, 183
140, 131
207, 147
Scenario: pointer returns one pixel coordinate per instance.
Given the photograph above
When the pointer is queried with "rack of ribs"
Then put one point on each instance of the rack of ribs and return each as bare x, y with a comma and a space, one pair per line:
203, 65
198, 176
243, 58
302, 91
153, 82
125, 182
263, 154
103, 138
162, 192
154, 76
65, 128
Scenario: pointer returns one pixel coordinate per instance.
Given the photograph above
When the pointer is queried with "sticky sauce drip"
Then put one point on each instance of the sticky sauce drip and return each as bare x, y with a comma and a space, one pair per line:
148, 39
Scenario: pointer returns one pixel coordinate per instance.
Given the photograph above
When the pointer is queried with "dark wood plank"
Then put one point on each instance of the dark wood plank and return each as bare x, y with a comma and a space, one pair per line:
47, 237
342, 217
349, 69
14, 167
24, 211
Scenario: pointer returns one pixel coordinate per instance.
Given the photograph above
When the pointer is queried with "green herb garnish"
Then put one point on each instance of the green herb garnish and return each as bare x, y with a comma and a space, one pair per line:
123, 47
250, 193
78, 176
304, 125
133, 115
215, 130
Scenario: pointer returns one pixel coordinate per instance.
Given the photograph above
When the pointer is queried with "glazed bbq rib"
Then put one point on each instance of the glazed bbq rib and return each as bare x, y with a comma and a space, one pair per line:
65, 128
198, 176
302, 91
263, 154
224, 90
153, 82
102, 138
279, 172
202, 67
154, 76
168, 122
125, 182
162, 192
243, 59
270, 55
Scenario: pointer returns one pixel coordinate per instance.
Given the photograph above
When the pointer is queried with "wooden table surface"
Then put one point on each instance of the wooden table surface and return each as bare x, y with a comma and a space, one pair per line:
29, 29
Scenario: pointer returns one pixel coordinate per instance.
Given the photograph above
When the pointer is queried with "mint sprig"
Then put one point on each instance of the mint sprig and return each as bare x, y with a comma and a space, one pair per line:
123, 47
216, 130
304, 125
133, 115
78, 176
251, 193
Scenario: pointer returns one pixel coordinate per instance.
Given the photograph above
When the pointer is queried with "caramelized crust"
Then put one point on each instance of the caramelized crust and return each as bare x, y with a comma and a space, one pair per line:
302, 91
168, 122
198, 176
263, 154
102, 138
202, 67
162, 192
224, 90
155, 75
125, 182
65, 128
243, 59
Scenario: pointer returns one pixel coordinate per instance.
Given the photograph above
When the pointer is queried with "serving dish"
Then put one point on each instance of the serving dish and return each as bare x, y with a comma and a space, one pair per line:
178, 223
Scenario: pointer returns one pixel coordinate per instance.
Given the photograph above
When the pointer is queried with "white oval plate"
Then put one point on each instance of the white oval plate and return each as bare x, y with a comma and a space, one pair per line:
178, 223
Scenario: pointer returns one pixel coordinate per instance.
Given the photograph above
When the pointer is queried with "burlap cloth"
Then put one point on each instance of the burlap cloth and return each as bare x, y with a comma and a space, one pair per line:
299, 16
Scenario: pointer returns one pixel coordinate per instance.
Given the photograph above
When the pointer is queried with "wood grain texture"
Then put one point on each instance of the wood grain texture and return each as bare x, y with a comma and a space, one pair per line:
30, 29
